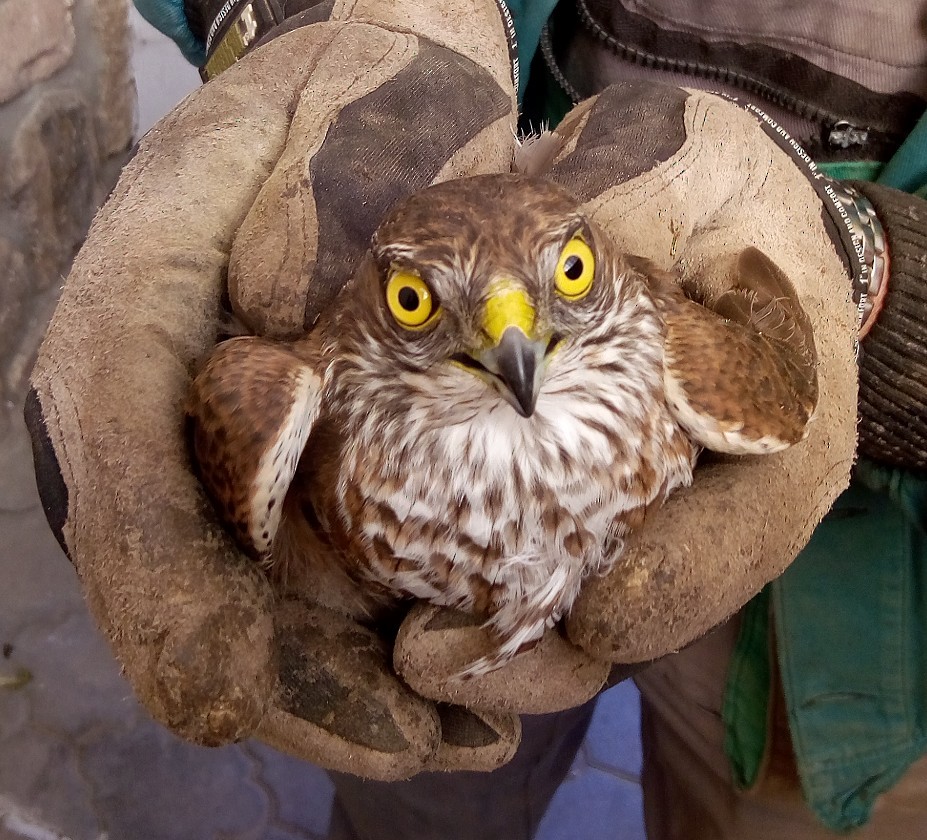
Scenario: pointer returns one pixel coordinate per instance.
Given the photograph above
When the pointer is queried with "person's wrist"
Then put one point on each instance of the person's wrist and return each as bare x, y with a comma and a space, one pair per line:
893, 362
230, 29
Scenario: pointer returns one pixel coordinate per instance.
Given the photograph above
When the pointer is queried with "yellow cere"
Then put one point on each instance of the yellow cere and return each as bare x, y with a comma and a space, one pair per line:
507, 306
410, 300
575, 269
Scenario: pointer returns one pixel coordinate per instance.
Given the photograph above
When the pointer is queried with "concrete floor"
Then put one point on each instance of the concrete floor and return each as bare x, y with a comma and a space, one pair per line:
81, 760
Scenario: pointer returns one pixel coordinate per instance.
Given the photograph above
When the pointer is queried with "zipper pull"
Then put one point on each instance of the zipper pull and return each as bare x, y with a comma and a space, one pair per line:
843, 135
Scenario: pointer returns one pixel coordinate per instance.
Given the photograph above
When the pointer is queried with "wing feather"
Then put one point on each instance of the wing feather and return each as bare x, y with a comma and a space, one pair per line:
251, 410
740, 372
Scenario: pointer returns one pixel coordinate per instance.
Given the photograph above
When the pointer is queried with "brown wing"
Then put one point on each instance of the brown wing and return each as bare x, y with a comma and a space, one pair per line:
740, 374
251, 409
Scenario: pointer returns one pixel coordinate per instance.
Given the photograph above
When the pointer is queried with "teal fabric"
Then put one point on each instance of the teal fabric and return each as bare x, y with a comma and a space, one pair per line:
849, 619
849, 624
852, 170
908, 491
751, 673
529, 17
907, 170
168, 17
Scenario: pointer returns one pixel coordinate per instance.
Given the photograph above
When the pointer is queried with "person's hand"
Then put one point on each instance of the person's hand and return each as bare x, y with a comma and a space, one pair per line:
696, 181
272, 177
265, 185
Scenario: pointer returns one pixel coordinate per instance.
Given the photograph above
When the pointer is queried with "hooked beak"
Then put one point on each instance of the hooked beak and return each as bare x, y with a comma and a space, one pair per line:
513, 362
516, 362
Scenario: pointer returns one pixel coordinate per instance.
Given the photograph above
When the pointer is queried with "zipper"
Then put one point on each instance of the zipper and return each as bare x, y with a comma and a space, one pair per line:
839, 131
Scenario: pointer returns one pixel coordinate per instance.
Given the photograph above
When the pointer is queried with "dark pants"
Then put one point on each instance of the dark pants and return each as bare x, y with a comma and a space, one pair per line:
507, 804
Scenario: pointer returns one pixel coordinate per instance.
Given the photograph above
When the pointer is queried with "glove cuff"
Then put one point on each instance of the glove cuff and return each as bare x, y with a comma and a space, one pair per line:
231, 28
893, 363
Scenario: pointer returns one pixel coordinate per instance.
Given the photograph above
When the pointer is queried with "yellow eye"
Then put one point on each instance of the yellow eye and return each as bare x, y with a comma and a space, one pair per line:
409, 300
575, 269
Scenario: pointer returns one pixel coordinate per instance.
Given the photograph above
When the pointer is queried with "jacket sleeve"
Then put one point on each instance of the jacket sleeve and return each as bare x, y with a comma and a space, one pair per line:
893, 364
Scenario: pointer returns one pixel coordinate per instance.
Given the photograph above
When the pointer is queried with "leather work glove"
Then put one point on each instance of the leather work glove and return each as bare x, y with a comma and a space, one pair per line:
690, 180
266, 182
261, 190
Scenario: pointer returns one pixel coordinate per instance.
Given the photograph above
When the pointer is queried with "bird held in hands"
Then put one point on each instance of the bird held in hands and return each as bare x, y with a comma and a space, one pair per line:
490, 406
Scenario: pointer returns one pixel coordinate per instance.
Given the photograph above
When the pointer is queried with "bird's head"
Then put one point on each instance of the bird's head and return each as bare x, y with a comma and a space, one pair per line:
482, 280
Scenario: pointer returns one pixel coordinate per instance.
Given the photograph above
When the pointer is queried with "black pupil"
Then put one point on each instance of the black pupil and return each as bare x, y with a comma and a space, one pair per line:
408, 299
573, 267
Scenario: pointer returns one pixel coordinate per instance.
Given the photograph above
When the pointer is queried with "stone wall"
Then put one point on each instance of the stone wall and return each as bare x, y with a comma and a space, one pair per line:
66, 120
